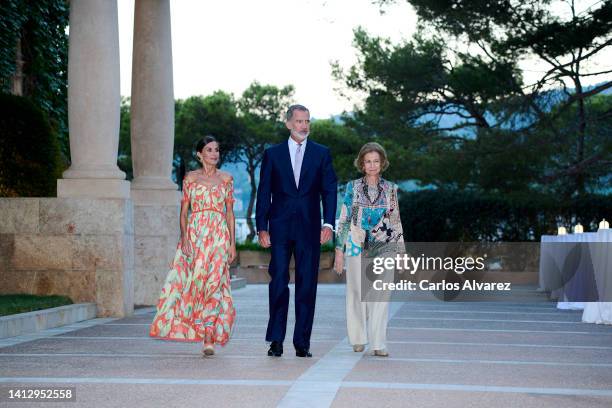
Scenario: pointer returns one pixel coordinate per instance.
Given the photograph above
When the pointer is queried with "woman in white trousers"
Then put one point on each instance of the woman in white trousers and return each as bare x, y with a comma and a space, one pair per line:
369, 213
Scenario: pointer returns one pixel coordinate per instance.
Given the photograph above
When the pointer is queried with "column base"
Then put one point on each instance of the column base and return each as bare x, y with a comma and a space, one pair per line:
153, 183
93, 188
98, 172
155, 197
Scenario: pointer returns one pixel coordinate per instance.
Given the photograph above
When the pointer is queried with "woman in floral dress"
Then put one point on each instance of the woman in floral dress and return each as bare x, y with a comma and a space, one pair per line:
195, 304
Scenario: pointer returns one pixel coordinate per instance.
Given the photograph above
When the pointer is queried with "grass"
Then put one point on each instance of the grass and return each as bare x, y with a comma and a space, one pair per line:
21, 303
253, 246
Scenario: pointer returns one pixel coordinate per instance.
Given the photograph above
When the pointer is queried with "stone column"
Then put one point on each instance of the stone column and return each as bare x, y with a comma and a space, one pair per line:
152, 106
93, 103
155, 196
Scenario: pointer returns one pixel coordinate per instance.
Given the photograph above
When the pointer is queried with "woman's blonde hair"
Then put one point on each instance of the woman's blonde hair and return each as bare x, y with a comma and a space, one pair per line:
369, 148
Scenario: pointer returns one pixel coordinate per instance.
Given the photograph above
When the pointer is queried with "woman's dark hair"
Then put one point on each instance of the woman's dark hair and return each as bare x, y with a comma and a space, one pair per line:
201, 144
204, 141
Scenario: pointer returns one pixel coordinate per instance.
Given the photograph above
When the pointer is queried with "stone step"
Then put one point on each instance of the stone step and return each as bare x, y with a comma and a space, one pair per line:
32, 322
238, 283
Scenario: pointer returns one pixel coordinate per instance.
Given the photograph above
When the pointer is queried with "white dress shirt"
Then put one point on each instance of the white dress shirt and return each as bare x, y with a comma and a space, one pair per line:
293, 145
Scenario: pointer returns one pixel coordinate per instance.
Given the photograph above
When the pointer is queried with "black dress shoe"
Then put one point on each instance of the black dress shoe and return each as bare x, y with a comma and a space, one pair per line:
276, 349
302, 352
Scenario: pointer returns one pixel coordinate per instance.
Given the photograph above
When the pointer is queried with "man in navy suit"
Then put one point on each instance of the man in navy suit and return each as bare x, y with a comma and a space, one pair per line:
296, 176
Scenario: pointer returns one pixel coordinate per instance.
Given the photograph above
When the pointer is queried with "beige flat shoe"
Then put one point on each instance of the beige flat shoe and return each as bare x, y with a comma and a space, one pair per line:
381, 353
358, 348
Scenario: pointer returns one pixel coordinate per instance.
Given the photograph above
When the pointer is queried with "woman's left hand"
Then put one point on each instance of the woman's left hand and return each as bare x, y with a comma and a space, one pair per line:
232, 253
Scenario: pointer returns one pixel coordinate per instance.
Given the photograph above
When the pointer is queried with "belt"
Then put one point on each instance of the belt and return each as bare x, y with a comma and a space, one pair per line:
208, 209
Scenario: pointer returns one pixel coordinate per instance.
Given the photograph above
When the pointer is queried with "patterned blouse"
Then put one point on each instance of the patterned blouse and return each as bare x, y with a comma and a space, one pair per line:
368, 214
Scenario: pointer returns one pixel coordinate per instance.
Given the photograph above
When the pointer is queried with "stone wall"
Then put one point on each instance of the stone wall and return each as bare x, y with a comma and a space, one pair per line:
79, 247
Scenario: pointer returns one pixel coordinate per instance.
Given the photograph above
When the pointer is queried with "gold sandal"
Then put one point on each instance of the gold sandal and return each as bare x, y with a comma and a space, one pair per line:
358, 348
381, 353
208, 350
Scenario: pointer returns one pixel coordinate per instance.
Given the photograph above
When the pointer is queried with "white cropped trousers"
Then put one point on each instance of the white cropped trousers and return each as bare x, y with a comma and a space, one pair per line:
366, 322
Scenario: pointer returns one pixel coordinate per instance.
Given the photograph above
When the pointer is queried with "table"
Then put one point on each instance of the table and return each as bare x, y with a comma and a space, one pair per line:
576, 270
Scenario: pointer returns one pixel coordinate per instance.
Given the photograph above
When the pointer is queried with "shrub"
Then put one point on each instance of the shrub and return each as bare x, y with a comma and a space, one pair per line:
449, 216
29, 150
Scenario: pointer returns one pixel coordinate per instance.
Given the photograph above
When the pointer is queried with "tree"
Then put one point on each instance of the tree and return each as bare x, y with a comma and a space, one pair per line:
261, 110
198, 116
124, 158
597, 143
344, 144
243, 127
29, 151
458, 80
34, 58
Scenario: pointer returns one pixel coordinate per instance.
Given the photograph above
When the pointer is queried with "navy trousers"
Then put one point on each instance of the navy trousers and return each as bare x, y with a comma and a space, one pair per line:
306, 255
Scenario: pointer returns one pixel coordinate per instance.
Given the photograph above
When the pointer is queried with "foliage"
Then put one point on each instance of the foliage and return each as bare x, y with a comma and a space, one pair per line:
250, 246
22, 303
29, 153
253, 246
328, 247
597, 145
38, 28
199, 116
456, 91
124, 157
343, 143
448, 216
244, 127
261, 109
195, 117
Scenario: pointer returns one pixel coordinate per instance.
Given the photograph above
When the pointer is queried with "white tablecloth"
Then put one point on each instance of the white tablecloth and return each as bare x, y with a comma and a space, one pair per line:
601, 256
579, 266
583, 273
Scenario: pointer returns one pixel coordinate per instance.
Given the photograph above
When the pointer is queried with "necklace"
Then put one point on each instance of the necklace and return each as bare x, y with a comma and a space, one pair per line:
367, 194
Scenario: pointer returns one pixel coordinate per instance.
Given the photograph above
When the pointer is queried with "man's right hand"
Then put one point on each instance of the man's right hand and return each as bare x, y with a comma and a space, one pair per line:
264, 239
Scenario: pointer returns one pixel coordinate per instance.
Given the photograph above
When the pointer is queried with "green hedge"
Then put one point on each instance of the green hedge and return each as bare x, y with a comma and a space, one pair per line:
22, 303
253, 246
448, 216
29, 150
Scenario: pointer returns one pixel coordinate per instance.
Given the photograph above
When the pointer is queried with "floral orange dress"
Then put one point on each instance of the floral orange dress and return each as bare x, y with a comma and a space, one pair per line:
196, 300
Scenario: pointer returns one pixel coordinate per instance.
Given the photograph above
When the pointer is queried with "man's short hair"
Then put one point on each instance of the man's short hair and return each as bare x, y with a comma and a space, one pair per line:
293, 108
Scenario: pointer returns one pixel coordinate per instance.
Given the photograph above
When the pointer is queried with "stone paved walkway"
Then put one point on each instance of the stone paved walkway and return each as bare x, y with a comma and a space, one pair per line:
442, 354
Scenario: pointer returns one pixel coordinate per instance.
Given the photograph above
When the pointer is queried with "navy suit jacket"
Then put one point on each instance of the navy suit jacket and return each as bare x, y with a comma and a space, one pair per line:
280, 202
